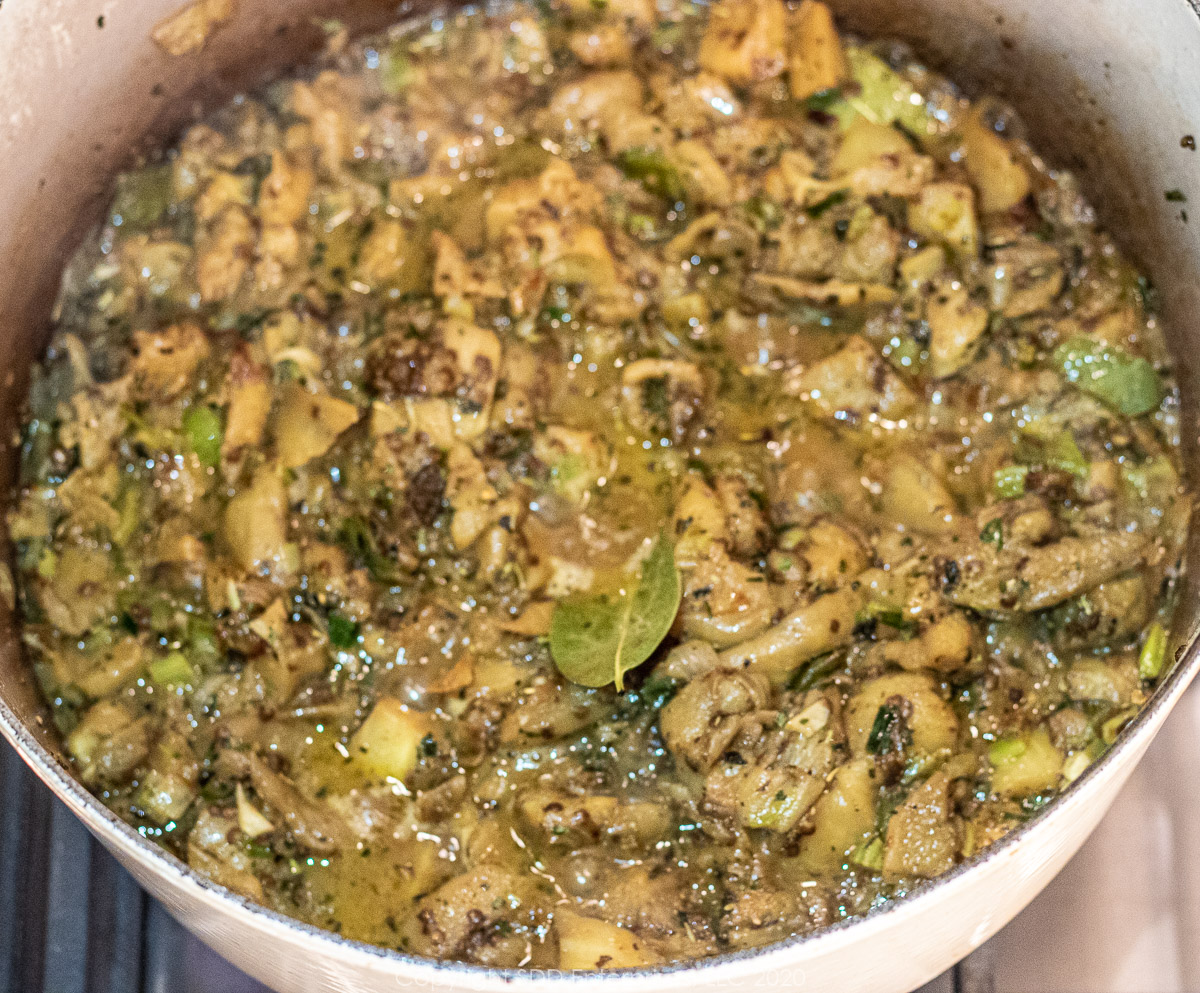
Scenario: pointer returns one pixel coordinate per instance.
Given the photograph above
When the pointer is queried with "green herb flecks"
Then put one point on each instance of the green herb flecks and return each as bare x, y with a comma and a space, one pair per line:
355, 536
343, 632
993, 533
827, 203
763, 213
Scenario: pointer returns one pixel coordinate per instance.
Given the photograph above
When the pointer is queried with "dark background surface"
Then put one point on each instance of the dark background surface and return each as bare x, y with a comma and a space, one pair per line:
73, 921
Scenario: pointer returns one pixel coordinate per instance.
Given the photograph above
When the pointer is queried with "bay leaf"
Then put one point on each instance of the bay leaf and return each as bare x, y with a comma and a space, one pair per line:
596, 639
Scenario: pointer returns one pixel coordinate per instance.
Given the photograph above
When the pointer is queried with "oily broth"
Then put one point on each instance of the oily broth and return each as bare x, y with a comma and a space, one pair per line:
377, 366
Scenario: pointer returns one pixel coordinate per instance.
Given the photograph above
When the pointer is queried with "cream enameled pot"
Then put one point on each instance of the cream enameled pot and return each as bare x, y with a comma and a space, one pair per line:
1108, 88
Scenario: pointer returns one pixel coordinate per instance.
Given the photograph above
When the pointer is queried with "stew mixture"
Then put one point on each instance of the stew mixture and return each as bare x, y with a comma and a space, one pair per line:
597, 484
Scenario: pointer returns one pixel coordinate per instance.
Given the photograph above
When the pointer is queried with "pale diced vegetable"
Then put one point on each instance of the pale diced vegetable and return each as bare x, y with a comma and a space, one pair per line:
816, 61
307, 424
996, 170
389, 742
946, 211
588, 943
1022, 766
745, 40
255, 524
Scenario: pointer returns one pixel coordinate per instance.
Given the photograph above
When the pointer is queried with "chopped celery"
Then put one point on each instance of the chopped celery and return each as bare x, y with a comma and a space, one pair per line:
204, 646
142, 198
885, 97
1154, 479
763, 213
1006, 750
1074, 767
205, 432
172, 670
778, 812
870, 855
395, 70
1111, 375
1009, 481
1023, 767
1153, 653
1062, 452
164, 796
650, 167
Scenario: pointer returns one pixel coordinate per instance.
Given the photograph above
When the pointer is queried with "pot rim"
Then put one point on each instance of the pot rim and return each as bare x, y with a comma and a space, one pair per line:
118, 834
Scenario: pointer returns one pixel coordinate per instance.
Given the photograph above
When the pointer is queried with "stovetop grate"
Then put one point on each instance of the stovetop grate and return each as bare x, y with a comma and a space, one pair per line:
118, 939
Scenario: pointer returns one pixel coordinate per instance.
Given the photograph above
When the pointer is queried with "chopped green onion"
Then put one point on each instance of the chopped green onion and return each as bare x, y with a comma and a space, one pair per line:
815, 671
142, 198
1113, 726
888, 614
657, 691
823, 99
1153, 653
881, 739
